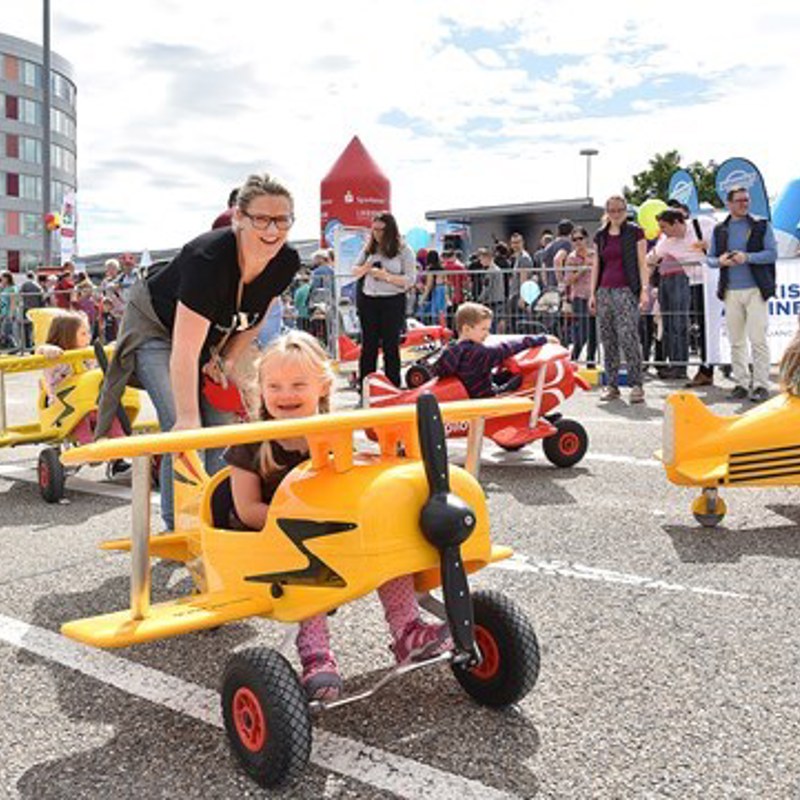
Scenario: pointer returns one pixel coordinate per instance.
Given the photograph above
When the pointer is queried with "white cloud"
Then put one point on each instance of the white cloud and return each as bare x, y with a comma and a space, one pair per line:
177, 101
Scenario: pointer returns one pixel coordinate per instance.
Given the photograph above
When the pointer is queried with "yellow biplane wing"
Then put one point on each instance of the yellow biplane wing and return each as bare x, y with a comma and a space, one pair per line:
326, 434
187, 614
10, 364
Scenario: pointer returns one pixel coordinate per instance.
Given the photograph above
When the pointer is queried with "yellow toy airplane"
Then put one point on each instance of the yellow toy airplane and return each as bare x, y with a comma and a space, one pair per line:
63, 421
758, 448
340, 525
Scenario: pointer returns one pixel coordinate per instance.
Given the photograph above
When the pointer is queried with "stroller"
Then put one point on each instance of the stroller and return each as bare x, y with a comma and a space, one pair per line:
543, 310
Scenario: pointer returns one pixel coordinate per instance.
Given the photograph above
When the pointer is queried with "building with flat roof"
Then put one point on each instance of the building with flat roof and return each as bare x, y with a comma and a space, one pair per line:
21, 143
482, 226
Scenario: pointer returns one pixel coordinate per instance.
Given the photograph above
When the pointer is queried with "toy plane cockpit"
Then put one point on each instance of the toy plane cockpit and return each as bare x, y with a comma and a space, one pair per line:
339, 526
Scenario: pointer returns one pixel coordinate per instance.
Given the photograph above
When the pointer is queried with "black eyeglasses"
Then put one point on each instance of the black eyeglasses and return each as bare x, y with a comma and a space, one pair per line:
261, 222
578, 238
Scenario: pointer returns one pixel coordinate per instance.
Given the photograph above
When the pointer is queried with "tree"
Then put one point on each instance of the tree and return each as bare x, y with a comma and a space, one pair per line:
654, 181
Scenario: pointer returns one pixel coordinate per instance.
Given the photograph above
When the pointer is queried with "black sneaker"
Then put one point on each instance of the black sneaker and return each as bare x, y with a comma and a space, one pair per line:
759, 394
119, 467
738, 393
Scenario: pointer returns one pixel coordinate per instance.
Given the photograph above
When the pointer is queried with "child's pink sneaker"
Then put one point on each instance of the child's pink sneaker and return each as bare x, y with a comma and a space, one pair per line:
321, 679
420, 640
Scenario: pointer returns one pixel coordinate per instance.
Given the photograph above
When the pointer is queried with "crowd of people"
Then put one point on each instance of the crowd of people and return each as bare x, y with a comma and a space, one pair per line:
69, 289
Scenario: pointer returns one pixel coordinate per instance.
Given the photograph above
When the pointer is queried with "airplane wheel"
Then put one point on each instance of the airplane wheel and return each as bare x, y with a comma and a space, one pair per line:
705, 514
509, 648
266, 716
568, 445
51, 475
416, 375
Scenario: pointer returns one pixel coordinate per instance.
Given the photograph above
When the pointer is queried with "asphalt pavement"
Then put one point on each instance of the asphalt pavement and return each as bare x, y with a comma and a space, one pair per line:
670, 660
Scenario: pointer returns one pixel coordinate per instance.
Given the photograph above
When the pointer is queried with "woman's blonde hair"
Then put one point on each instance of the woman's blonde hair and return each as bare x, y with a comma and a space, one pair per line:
258, 185
305, 350
64, 327
790, 366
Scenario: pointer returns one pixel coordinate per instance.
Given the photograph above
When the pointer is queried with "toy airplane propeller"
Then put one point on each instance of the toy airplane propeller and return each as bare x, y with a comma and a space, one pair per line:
339, 526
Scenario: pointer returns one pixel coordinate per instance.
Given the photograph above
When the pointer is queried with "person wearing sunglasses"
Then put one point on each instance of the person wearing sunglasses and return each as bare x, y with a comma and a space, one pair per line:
578, 282
209, 301
744, 251
619, 293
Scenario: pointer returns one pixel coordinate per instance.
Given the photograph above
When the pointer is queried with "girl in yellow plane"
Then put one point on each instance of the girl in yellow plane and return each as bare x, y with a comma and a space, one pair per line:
296, 380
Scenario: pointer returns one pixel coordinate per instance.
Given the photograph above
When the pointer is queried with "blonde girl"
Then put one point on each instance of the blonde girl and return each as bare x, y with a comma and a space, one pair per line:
296, 380
789, 370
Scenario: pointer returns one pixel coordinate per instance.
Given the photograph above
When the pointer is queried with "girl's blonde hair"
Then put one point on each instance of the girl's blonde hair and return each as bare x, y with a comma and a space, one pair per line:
309, 353
64, 327
790, 366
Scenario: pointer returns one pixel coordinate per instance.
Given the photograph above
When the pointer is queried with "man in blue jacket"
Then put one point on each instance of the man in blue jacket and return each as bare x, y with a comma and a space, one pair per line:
743, 249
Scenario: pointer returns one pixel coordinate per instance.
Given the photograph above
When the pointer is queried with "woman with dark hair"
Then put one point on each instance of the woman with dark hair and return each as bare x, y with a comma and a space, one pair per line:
618, 292
388, 267
433, 302
189, 321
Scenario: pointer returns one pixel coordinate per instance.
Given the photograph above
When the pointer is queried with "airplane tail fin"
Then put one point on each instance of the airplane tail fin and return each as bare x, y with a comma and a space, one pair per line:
686, 420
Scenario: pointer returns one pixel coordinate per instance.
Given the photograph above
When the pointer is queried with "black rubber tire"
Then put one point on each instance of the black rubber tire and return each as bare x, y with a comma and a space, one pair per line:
568, 445
416, 375
263, 680
511, 653
51, 475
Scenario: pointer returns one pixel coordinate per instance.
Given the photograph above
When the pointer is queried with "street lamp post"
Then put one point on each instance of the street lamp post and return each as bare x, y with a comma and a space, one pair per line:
589, 152
47, 241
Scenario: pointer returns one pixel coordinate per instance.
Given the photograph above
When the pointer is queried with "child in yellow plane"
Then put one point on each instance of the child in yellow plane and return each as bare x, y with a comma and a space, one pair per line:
790, 367
296, 380
69, 330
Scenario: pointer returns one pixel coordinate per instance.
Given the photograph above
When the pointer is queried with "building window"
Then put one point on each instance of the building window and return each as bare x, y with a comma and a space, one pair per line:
62, 87
10, 68
13, 260
62, 159
12, 223
30, 150
62, 123
31, 226
30, 111
30, 187
3, 215
30, 74
12, 107
12, 184
12, 145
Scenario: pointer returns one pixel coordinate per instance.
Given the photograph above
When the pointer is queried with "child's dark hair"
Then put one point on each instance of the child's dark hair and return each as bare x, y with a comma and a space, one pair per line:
64, 327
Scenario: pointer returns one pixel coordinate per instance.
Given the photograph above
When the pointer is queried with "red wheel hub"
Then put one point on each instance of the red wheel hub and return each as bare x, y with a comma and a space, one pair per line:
490, 665
569, 443
44, 474
249, 720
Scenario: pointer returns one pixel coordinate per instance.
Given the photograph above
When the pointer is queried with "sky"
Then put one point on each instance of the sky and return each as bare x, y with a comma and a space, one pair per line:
460, 104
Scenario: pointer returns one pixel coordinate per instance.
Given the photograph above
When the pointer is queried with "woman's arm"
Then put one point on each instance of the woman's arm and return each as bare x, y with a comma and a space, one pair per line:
188, 333
594, 280
362, 265
247, 498
644, 273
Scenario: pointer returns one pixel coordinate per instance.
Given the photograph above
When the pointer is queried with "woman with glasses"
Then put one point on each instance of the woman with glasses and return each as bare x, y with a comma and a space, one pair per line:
388, 267
578, 281
618, 292
209, 301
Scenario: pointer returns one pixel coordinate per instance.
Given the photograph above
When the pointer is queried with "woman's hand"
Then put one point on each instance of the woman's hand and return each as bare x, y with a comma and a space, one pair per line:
186, 424
592, 303
644, 299
215, 369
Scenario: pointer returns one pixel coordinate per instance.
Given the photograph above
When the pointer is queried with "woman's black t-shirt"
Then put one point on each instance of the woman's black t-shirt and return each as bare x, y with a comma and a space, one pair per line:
205, 276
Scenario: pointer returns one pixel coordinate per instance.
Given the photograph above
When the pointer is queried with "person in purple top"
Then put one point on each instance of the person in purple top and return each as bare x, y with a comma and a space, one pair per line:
619, 291
471, 361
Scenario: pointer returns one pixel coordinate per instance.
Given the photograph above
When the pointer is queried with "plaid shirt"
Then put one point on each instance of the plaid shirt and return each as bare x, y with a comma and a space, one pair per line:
472, 363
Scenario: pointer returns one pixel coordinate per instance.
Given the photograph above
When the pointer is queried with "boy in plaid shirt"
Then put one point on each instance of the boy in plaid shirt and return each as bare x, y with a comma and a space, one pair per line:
470, 360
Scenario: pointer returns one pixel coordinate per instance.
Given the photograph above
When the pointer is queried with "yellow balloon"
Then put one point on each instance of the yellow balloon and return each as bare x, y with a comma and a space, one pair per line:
646, 216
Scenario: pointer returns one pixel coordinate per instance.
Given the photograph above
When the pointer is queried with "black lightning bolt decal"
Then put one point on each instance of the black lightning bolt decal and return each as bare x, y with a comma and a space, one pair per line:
317, 573
68, 409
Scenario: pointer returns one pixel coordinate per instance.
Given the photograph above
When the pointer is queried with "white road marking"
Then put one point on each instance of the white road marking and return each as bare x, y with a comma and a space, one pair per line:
389, 772
565, 569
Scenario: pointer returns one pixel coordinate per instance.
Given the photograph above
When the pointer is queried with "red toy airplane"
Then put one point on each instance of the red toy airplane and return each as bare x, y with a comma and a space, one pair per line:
547, 376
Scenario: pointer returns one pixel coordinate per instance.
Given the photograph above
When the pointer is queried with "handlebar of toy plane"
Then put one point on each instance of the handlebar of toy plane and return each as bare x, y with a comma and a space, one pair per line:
29, 363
